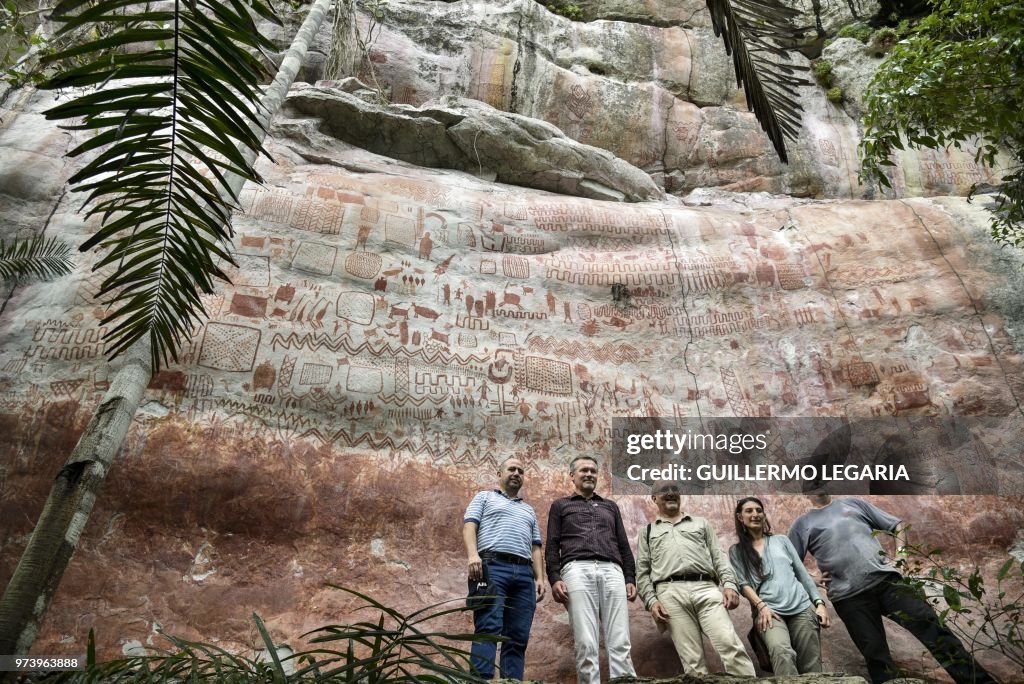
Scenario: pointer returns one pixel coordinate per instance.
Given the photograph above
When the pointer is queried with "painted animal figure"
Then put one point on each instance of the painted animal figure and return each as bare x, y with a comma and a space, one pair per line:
425, 312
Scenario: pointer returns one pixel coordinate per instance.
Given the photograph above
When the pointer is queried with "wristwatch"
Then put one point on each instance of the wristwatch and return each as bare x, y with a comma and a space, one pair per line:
818, 602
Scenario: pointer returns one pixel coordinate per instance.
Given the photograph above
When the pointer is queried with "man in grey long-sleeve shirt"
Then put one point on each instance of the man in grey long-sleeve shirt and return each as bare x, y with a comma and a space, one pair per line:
864, 587
680, 565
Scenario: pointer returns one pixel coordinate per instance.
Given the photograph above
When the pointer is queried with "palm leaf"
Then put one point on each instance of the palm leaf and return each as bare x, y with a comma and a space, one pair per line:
169, 99
760, 34
37, 256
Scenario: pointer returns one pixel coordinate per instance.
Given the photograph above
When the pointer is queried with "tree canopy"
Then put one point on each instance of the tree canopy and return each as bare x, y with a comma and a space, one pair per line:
957, 78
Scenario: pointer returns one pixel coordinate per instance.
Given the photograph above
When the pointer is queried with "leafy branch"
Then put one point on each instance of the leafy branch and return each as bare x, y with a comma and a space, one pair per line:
954, 81
760, 34
986, 618
166, 115
39, 257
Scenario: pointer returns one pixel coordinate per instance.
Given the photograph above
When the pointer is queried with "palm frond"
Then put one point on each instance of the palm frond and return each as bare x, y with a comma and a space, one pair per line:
165, 114
760, 35
34, 257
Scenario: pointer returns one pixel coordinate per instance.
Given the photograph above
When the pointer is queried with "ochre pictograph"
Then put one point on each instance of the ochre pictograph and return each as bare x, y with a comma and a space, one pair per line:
315, 257
315, 374
249, 306
434, 319
547, 376
229, 347
358, 307
253, 270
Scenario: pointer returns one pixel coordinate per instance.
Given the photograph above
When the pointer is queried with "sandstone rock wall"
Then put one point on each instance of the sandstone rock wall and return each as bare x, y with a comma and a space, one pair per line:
391, 332
660, 94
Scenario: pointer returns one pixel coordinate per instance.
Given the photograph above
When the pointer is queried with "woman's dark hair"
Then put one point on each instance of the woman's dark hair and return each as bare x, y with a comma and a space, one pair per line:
749, 557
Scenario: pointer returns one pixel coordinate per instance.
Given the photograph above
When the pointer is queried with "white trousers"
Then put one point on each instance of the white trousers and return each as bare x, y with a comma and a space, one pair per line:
597, 596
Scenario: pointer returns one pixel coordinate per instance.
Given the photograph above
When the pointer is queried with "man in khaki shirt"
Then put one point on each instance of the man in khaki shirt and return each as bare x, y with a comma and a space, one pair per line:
679, 567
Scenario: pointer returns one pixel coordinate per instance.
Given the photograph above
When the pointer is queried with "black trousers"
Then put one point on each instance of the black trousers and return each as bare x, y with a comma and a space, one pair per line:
893, 598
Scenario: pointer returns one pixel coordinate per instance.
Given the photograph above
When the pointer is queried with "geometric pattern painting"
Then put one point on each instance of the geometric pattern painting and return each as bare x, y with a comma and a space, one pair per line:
548, 376
357, 307
400, 230
252, 271
229, 347
313, 257
862, 373
315, 374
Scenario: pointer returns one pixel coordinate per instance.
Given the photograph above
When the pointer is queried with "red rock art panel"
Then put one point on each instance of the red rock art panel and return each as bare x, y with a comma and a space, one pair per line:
229, 347
315, 258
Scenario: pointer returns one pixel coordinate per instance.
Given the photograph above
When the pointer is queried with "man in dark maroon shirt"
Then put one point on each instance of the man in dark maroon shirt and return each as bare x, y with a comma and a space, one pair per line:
592, 572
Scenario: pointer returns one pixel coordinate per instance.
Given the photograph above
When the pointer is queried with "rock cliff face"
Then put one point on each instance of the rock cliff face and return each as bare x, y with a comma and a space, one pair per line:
392, 331
654, 86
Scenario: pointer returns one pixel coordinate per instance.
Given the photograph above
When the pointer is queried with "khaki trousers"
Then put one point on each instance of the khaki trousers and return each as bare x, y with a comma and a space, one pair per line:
794, 644
696, 608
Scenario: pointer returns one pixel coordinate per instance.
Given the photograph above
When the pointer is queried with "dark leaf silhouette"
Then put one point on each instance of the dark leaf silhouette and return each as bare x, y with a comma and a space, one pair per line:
168, 96
760, 35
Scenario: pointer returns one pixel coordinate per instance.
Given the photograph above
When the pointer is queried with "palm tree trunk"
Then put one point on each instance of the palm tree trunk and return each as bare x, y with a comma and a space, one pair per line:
67, 509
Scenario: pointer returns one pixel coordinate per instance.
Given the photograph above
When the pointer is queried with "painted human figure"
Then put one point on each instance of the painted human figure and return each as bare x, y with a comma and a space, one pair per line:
426, 245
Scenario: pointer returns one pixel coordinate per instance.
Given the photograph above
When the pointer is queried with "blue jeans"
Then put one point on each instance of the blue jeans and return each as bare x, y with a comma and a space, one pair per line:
509, 614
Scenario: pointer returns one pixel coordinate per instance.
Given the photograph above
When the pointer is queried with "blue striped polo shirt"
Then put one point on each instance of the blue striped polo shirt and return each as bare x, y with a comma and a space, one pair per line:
504, 525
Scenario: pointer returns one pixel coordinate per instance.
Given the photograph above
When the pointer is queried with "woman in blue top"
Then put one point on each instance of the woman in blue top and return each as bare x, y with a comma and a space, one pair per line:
786, 605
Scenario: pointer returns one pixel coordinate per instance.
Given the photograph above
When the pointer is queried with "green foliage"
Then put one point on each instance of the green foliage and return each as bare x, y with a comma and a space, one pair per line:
985, 617
883, 40
21, 44
27, 51
34, 257
397, 647
166, 115
859, 31
955, 80
822, 69
392, 648
377, 11
15, 36
567, 10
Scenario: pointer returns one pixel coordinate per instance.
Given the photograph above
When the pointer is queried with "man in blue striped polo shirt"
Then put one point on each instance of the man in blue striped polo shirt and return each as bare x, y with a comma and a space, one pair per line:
503, 546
